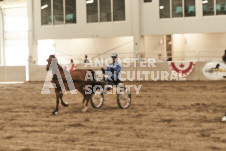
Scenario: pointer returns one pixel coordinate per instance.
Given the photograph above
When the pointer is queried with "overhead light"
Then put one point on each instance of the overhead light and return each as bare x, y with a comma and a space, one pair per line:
44, 6
161, 7
205, 1
89, 1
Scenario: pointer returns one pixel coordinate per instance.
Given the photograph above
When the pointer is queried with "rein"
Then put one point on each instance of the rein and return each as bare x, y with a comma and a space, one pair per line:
54, 78
80, 81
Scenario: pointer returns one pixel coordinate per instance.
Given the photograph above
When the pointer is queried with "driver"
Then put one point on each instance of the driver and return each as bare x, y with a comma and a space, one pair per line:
113, 70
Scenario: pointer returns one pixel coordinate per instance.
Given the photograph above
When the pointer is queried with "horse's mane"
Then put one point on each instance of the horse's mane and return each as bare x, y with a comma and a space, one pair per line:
60, 67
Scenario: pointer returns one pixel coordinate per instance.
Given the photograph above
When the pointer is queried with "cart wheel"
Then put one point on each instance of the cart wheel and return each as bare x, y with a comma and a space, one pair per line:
124, 99
97, 99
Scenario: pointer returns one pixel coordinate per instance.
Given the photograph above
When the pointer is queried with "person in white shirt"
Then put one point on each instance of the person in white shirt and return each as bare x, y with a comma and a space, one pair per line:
159, 59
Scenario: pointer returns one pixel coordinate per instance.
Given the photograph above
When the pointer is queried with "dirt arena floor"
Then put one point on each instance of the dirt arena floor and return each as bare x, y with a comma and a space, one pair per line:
164, 116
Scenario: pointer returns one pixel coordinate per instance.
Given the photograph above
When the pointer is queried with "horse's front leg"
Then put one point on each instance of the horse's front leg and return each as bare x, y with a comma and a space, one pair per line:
57, 104
65, 104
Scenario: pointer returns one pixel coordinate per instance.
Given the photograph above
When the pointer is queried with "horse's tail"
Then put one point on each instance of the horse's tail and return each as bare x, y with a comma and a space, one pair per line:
93, 74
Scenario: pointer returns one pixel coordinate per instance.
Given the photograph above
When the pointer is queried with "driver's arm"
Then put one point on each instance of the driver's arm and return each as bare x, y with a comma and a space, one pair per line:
118, 69
108, 70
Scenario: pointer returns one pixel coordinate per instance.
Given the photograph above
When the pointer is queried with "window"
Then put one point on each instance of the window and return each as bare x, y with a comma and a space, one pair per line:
70, 11
58, 12
105, 10
189, 7
220, 7
214, 7
146, 1
64, 11
164, 6
46, 18
119, 10
92, 11
208, 7
177, 8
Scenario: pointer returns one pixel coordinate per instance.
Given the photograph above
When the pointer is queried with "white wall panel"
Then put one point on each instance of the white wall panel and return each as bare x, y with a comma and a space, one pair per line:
93, 47
16, 55
199, 46
37, 73
15, 42
15, 35
19, 11
12, 73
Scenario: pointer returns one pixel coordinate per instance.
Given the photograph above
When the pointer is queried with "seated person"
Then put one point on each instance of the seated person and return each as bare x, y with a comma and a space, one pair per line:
113, 70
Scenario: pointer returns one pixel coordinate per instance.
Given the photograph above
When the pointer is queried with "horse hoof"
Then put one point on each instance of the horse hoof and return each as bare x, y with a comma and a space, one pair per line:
55, 113
65, 104
84, 110
224, 119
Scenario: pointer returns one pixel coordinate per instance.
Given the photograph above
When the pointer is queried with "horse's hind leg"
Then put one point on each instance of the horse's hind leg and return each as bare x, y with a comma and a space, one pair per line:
62, 102
81, 90
87, 97
83, 102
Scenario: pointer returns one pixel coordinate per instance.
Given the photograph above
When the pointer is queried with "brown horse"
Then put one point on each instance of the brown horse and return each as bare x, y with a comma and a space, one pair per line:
78, 77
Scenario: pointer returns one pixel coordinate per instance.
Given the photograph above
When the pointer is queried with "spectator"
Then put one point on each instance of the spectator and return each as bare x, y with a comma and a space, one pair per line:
170, 59
86, 60
159, 59
72, 66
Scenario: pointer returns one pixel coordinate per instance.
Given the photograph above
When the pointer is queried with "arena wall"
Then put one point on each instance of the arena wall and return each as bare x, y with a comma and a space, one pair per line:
12, 73
38, 73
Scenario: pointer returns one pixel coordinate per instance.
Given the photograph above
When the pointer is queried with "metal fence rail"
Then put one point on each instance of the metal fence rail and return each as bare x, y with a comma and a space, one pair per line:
202, 55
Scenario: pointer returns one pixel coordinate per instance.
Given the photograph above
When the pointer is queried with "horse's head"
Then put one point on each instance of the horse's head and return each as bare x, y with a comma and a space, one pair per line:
49, 61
